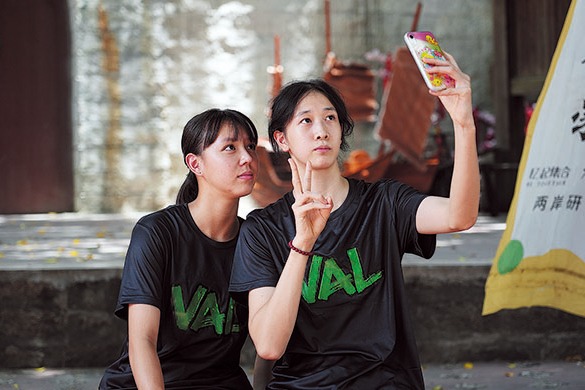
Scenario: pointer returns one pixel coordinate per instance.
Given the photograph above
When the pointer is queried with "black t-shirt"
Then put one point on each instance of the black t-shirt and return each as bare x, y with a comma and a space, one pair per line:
172, 265
353, 328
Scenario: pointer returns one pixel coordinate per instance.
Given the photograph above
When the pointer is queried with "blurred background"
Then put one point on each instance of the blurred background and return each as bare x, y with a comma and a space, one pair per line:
94, 93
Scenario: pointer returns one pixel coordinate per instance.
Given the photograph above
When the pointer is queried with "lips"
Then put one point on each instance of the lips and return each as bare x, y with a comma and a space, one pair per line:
246, 175
322, 148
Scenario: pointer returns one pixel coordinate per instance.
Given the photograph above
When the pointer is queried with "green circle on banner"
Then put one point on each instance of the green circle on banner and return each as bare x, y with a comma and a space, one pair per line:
511, 257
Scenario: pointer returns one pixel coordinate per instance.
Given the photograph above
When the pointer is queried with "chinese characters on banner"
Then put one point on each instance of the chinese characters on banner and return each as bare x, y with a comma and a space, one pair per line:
540, 260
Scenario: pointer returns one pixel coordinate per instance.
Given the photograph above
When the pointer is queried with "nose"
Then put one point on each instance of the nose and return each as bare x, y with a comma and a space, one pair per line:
320, 130
247, 156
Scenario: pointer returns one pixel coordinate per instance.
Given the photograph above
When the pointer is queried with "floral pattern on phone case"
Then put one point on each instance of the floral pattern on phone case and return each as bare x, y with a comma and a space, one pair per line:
425, 45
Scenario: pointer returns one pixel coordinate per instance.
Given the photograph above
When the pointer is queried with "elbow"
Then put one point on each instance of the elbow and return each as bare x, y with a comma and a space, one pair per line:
468, 224
268, 352
267, 349
270, 341
464, 223
464, 216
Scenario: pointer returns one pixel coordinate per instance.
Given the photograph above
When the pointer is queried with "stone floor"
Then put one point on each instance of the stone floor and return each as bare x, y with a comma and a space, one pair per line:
562, 375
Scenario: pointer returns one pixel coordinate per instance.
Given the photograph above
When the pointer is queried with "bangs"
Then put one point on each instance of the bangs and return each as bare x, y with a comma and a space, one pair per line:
237, 123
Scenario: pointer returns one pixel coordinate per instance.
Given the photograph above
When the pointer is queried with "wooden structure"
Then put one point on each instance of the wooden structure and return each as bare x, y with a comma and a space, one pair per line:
35, 106
402, 127
354, 81
356, 84
404, 124
525, 37
274, 176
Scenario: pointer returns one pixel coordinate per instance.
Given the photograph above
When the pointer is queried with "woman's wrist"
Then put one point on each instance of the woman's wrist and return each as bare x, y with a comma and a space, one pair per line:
300, 246
467, 124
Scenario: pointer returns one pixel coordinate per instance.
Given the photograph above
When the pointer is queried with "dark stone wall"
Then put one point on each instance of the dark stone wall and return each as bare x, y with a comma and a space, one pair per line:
64, 318
446, 304
60, 318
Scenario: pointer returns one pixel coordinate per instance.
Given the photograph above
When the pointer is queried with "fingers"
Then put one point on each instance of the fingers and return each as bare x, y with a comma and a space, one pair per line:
308, 200
304, 185
447, 59
449, 68
441, 66
296, 180
308, 177
312, 207
313, 200
451, 59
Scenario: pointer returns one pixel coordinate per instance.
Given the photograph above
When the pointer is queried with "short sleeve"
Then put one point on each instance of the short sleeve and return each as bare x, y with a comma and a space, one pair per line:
408, 201
143, 273
254, 263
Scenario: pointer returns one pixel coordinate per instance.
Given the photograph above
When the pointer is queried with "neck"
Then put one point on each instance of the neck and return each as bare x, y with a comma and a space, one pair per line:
338, 192
217, 219
330, 183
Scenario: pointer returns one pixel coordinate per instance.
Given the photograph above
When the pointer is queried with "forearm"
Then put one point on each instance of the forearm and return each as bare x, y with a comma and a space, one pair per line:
459, 211
465, 187
143, 325
273, 311
145, 365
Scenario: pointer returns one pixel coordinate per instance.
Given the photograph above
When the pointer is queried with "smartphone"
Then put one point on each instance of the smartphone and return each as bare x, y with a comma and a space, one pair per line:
424, 44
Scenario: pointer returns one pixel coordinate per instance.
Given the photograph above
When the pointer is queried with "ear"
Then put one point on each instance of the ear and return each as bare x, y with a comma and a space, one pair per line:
192, 162
280, 139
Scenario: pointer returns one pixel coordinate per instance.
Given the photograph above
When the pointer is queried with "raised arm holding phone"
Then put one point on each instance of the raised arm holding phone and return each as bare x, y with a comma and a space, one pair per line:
322, 266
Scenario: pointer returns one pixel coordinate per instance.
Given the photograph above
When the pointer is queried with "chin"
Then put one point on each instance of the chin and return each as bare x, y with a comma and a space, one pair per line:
245, 191
323, 162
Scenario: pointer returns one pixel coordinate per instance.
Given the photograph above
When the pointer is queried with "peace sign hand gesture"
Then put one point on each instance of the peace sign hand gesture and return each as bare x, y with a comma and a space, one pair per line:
311, 209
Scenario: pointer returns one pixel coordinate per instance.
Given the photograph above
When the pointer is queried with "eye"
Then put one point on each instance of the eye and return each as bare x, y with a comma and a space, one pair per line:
252, 146
305, 120
230, 147
331, 117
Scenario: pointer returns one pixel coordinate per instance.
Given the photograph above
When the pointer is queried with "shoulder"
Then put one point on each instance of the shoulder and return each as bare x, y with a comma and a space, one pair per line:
162, 221
264, 226
162, 216
273, 213
387, 196
361, 187
385, 188
385, 185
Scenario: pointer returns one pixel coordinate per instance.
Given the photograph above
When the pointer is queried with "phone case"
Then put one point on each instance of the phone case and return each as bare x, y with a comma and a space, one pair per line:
424, 44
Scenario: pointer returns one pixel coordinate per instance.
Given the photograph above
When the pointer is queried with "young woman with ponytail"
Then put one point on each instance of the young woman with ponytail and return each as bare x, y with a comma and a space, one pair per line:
184, 330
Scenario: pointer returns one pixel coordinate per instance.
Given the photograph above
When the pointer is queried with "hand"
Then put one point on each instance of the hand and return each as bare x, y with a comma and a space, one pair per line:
311, 210
457, 100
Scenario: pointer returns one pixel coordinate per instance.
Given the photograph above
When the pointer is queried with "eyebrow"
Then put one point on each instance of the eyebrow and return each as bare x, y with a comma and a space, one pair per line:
240, 136
328, 108
228, 139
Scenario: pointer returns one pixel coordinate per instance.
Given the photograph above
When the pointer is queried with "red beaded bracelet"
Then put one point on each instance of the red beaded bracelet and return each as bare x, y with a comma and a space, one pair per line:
302, 252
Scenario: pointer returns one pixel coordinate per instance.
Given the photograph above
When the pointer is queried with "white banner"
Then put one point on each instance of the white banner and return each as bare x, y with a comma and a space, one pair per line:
540, 260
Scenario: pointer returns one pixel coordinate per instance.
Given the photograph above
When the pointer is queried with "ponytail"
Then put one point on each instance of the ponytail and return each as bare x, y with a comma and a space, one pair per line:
189, 189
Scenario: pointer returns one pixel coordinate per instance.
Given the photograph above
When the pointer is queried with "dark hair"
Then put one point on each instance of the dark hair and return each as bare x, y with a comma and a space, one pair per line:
200, 132
285, 104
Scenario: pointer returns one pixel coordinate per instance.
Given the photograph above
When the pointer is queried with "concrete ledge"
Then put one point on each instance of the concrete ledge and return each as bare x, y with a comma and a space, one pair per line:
446, 305
64, 318
60, 318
